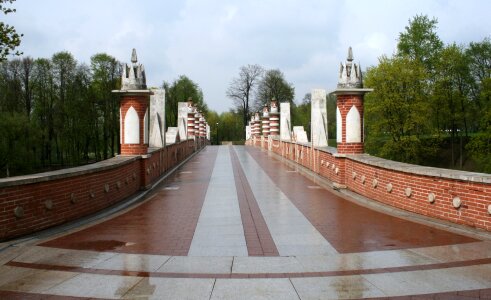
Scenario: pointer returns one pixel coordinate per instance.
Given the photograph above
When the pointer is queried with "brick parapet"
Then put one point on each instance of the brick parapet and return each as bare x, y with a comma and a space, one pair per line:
404, 186
344, 103
47, 199
140, 103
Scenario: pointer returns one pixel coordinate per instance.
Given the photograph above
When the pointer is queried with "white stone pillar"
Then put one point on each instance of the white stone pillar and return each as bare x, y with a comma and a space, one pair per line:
319, 118
182, 119
285, 122
157, 118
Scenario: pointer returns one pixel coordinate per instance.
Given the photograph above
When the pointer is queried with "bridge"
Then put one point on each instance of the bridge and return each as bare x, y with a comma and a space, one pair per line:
275, 219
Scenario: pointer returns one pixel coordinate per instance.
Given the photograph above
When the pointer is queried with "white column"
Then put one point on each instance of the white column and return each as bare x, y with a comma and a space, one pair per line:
319, 118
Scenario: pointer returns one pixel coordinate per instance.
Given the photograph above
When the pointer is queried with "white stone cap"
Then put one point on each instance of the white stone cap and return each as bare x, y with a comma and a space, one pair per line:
351, 91
133, 92
420, 170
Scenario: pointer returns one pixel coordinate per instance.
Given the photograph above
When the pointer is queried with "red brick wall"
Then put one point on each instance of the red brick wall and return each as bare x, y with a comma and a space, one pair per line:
344, 103
73, 196
140, 104
475, 197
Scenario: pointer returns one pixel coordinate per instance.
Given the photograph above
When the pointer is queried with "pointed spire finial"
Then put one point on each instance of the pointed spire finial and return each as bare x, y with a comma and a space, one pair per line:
350, 74
134, 59
350, 54
133, 75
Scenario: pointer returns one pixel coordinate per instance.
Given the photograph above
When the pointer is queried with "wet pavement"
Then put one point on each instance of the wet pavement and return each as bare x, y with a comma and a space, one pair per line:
236, 223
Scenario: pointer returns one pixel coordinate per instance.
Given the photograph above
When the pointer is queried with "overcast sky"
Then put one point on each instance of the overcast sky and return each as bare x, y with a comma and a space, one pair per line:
210, 40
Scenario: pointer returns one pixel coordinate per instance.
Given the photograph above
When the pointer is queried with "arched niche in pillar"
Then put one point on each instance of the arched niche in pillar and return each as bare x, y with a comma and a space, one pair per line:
131, 127
353, 126
339, 126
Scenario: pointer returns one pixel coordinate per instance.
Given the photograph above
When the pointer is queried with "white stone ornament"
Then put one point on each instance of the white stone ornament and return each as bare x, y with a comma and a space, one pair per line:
182, 120
408, 192
48, 204
300, 135
456, 202
374, 183
431, 198
318, 118
73, 198
339, 126
353, 175
389, 187
133, 77
145, 127
157, 118
489, 209
350, 74
363, 179
353, 126
336, 171
131, 127
19, 212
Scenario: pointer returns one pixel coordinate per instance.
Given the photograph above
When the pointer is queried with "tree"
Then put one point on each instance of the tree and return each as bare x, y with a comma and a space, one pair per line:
241, 89
231, 127
43, 108
398, 108
274, 85
451, 91
13, 142
27, 65
479, 55
9, 38
106, 72
11, 99
180, 91
64, 68
300, 114
420, 41
479, 146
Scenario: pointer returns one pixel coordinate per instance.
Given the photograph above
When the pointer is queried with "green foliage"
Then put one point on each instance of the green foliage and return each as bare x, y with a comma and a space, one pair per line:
181, 90
480, 149
398, 107
300, 114
9, 38
242, 88
480, 144
420, 41
227, 126
106, 72
65, 111
57, 113
17, 136
429, 97
274, 85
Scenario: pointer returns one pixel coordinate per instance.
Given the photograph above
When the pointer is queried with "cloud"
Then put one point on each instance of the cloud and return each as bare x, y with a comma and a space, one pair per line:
209, 40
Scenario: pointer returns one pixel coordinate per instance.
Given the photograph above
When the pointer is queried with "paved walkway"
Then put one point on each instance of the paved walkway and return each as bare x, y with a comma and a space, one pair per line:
235, 223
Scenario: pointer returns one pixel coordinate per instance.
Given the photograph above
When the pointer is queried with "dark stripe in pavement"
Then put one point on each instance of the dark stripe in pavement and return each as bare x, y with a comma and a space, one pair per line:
464, 295
347, 226
434, 266
33, 296
258, 238
164, 225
